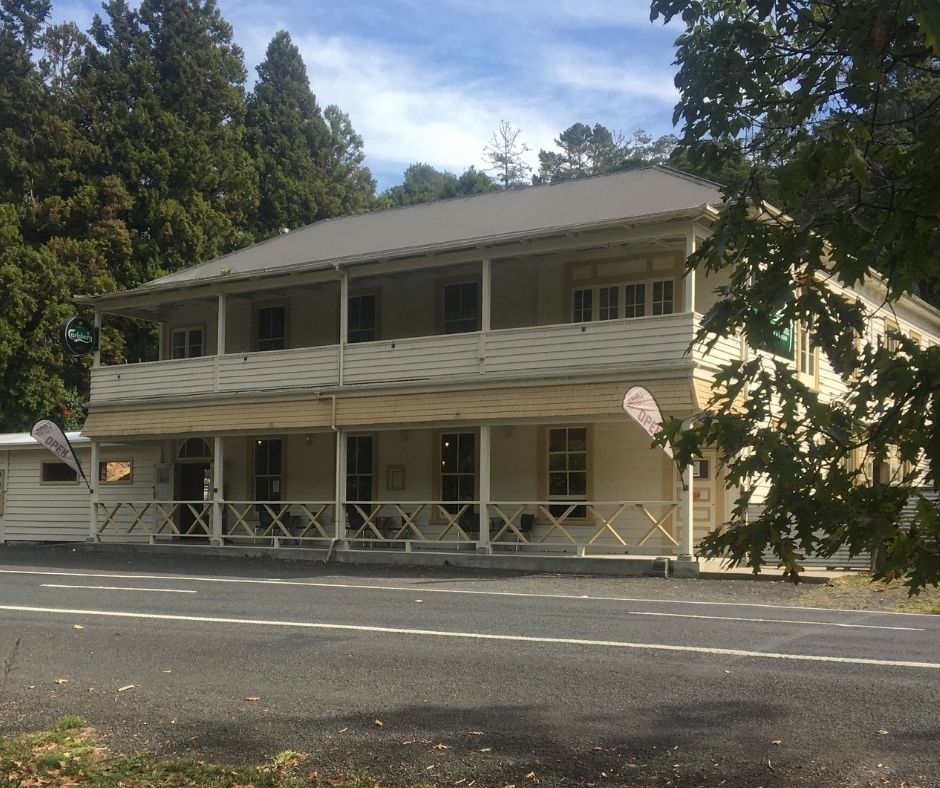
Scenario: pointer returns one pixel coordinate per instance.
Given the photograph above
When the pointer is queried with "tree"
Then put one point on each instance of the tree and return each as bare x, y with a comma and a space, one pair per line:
504, 153
286, 133
350, 187
836, 107
423, 183
585, 150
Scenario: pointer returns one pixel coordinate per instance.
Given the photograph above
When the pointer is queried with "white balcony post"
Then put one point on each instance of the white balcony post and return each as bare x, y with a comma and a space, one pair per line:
484, 543
688, 300
686, 516
339, 521
343, 319
218, 487
93, 493
220, 338
96, 356
486, 294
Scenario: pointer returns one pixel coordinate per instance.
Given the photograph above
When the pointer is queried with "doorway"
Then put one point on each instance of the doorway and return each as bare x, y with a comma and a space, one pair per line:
193, 488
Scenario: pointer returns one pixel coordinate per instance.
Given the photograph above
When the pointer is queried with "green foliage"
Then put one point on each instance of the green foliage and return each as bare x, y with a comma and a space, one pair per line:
833, 110
131, 152
423, 183
584, 151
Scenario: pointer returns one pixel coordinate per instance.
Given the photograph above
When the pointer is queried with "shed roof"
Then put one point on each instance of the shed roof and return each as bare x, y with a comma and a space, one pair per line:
19, 440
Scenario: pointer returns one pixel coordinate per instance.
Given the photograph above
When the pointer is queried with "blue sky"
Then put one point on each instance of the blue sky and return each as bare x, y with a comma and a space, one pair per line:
430, 81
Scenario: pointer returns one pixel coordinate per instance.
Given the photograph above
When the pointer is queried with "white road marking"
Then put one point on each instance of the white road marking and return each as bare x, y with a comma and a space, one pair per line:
772, 620
472, 592
122, 588
724, 652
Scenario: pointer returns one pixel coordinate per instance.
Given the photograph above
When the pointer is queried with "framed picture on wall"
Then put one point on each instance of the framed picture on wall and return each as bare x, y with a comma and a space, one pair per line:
394, 477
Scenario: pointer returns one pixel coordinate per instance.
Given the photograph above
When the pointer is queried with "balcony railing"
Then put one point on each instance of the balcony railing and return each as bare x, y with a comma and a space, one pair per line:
633, 343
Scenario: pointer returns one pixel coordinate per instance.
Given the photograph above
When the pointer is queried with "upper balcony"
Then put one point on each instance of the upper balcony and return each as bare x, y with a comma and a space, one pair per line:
642, 345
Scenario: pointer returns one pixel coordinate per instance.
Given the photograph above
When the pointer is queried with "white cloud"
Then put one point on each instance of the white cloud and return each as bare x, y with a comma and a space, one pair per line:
410, 111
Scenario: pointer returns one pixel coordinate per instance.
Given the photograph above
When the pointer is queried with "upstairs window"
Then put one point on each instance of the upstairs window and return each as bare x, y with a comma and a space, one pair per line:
361, 318
634, 301
805, 352
272, 328
582, 306
461, 308
608, 303
663, 297
186, 343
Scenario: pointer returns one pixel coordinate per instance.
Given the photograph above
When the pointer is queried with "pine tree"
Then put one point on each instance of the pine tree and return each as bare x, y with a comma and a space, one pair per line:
286, 133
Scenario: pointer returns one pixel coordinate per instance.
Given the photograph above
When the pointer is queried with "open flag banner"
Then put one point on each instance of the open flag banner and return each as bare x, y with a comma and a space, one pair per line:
51, 436
641, 405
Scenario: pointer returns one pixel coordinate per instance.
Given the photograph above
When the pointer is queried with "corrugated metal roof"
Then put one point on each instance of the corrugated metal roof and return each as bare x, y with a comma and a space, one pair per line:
15, 440
630, 195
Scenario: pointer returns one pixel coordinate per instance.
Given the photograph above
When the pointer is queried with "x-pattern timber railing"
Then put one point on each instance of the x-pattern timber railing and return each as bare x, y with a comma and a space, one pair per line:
154, 519
611, 527
278, 522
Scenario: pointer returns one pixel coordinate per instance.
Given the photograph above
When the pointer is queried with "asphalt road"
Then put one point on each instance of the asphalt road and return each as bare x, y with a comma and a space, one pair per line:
443, 676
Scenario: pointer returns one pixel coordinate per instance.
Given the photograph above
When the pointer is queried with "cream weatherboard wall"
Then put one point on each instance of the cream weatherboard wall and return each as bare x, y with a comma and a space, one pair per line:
34, 510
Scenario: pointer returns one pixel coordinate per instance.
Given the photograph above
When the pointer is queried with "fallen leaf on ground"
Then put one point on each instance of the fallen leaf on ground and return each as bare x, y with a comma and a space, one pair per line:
476, 733
343, 730
126, 687
77, 626
441, 746
531, 776
378, 723
168, 670
61, 681
882, 732
770, 766
776, 741
485, 749
253, 697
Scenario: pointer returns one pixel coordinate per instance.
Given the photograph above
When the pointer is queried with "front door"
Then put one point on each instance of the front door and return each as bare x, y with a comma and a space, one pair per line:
192, 486
705, 494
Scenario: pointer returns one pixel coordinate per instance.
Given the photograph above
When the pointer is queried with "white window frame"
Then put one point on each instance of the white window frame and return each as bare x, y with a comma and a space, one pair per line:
186, 331
598, 312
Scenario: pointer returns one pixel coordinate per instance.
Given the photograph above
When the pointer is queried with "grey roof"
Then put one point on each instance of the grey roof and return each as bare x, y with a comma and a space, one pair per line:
484, 218
16, 440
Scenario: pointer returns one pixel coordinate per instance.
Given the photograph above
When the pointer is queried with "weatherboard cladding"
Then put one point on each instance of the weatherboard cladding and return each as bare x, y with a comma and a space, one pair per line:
569, 401
648, 191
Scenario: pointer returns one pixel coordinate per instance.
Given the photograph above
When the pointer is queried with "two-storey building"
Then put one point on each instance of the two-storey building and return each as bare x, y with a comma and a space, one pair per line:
448, 376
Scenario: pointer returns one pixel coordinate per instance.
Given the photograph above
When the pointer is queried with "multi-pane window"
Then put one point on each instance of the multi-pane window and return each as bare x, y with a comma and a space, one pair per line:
609, 303
268, 470
359, 468
634, 300
805, 352
186, 343
58, 472
361, 318
663, 297
567, 469
272, 328
461, 308
582, 306
458, 467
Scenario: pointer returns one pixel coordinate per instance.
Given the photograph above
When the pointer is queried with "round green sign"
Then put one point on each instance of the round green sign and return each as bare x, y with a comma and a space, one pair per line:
78, 336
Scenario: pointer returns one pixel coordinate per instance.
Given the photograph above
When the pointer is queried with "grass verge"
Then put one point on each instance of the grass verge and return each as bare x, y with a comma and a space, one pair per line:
69, 756
857, 592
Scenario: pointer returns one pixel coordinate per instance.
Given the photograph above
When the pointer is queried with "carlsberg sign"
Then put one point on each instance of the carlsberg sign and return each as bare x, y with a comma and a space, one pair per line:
78, 336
